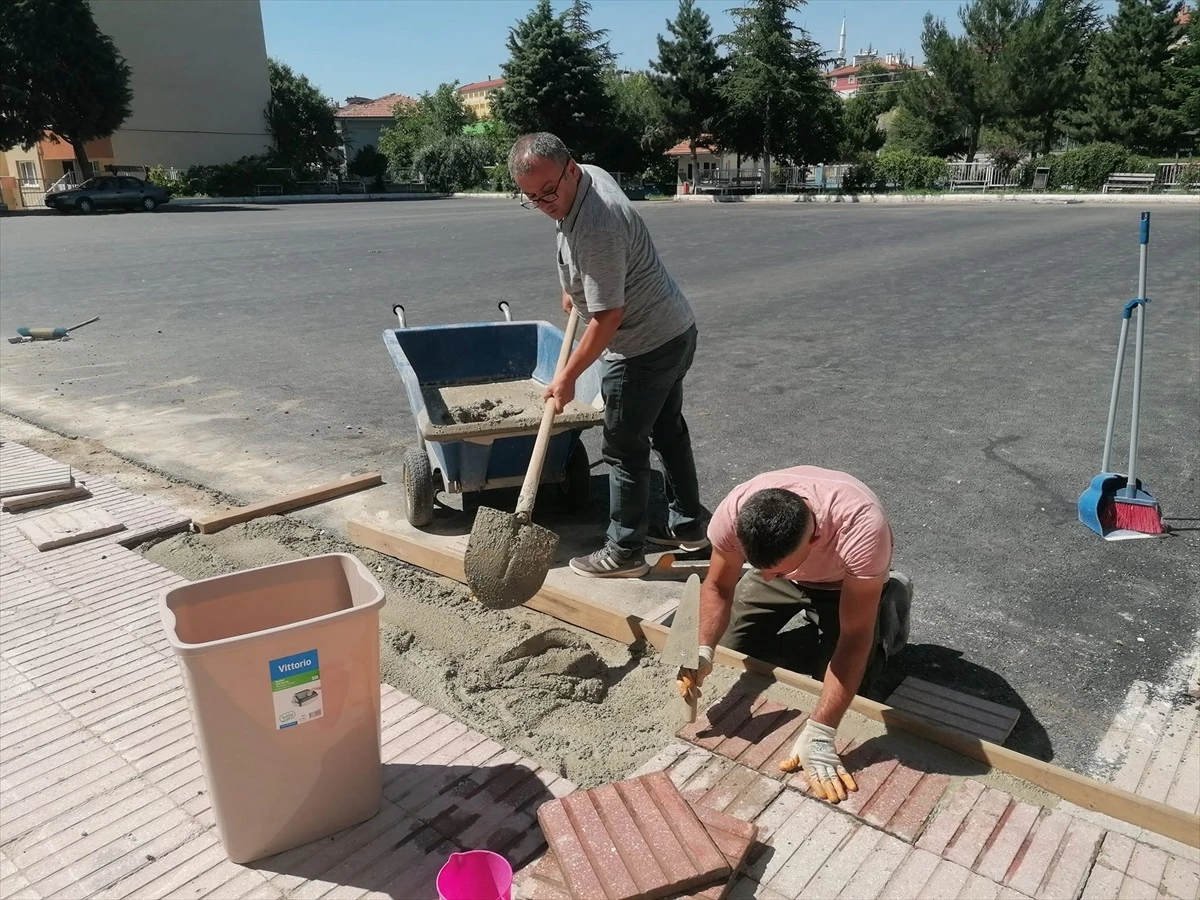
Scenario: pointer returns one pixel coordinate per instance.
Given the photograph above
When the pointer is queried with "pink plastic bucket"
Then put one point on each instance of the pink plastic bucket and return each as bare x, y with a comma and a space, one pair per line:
475, 875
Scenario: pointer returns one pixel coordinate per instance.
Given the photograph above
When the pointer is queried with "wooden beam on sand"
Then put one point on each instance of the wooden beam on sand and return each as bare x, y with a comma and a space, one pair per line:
627, 628
210, 524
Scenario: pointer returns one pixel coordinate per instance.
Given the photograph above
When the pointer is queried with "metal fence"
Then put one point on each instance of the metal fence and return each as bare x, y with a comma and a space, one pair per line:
982, 176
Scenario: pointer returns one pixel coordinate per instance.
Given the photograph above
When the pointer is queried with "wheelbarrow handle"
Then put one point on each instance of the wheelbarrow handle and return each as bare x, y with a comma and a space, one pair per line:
504, 308
533, 475
398, 312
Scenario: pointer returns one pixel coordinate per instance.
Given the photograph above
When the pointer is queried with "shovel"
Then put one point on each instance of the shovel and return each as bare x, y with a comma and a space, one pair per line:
507, 555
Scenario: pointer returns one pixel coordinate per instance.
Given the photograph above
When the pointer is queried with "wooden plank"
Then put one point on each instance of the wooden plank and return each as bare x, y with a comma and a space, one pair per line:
210, 524
1070, 786
45, 498
594, 617
69, 526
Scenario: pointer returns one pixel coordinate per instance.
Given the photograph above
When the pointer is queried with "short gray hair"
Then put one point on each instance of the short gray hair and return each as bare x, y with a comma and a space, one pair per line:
530, 148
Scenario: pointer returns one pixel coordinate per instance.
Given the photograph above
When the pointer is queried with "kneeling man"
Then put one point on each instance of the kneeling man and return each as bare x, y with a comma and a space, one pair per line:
820, 548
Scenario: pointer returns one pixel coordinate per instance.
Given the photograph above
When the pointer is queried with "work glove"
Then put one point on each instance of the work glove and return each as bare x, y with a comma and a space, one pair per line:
813, 752
688, 681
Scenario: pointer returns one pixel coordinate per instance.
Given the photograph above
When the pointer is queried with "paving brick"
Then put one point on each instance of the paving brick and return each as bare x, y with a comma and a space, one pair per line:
1075, 859
1014, 827
888, 799
1116, 851
720, 720
730, 787
1038, 853
910, 876
955, 710
1181, 879
946, 882
976, 831
1168, 755
688, 765
167, 874
791, 818
756, 797
782, 734
871, 766
812, 854
707, 776
1147, 864
764, 715
979, 888
842, 864
1143, 737
909, 821
950, 817
1184, 792
662, 760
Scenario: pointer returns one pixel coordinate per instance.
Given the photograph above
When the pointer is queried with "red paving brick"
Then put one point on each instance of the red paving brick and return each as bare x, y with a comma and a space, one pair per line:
976, 831
945, 825
637, 838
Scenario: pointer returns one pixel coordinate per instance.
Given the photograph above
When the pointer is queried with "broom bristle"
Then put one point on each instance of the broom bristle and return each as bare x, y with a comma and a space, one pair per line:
1140, 517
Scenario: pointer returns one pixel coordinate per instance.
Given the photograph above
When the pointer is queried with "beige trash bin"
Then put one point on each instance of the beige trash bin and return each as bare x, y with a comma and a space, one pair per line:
281, 666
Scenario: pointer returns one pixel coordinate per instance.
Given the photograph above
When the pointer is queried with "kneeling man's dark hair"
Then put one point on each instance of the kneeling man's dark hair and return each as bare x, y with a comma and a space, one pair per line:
770, 525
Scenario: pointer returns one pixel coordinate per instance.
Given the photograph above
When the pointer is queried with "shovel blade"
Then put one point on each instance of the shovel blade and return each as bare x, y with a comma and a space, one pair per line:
506, 562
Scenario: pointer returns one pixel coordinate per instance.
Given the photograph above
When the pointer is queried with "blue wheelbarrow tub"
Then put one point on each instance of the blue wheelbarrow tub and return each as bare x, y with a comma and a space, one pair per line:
441, 364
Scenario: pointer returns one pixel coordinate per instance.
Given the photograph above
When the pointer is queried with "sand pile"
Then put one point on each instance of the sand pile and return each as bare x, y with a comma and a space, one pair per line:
591, 708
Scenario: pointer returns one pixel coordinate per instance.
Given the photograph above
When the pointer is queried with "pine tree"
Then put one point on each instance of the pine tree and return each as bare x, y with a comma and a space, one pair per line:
1127, 84
779, 102
687, 74
553, 82
1183, 80
576, 20
60, 74
1046, 63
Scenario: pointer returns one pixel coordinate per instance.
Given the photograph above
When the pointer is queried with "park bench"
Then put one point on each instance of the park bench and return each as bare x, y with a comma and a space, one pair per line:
261, 190
1124, 181
969, 184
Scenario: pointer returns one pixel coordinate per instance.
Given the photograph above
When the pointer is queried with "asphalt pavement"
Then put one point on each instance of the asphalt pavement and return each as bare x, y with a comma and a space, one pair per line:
956, 358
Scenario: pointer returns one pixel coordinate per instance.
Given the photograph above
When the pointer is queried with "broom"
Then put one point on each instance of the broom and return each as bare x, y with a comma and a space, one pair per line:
1132, 508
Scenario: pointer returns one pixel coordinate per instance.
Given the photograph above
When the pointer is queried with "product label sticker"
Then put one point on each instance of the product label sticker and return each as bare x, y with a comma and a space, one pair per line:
296, 688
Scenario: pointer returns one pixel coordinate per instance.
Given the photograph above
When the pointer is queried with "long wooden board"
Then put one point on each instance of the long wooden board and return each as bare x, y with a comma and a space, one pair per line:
210, 524
603, 620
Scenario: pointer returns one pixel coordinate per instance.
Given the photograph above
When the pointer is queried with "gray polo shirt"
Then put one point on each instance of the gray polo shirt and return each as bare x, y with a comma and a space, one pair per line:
606, 260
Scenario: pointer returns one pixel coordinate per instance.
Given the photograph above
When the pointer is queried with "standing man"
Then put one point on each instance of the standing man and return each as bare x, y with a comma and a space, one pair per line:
819, 546
640, 322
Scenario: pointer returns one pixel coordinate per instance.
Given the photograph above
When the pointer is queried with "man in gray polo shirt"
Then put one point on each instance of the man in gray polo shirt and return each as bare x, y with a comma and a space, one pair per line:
640, 322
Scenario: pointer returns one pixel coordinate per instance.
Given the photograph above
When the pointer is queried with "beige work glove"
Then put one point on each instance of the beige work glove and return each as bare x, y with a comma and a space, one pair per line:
688, 681
813, 752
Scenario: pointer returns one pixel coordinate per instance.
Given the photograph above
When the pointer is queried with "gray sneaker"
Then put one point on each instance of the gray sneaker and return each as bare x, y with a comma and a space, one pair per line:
606, 564
689, 539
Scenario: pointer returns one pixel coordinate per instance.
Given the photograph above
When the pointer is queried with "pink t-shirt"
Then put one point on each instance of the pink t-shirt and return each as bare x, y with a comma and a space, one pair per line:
853, 536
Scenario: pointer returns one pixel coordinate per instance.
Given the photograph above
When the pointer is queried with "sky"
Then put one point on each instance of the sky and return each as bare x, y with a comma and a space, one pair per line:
370, 48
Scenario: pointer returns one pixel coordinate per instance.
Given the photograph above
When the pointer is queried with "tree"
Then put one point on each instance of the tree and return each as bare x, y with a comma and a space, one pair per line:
435, 116
553, 82
688, 71
1127, 84
576, 21
369, 163
1183, 80
637, 136
878, 93
779, 101
1044, 67
60, 74
454, 163
301, 121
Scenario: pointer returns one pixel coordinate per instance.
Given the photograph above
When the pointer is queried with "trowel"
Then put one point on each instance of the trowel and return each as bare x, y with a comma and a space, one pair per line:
683, 647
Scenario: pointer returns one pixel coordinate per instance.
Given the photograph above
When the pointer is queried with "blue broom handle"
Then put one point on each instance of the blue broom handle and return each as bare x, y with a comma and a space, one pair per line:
1131, 485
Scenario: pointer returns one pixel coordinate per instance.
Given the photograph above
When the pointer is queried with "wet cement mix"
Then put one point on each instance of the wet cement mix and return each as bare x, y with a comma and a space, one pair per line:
591, 708
466, 410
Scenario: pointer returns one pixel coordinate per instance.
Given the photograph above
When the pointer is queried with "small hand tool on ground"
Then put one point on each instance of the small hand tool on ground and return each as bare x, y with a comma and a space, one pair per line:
507, 556
47, 334
683, 646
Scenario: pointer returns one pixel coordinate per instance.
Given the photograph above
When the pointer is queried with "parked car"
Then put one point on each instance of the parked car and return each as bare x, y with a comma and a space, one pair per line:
109, 192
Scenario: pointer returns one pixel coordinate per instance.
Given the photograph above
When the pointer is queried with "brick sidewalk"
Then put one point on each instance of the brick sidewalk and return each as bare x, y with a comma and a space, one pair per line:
101, 791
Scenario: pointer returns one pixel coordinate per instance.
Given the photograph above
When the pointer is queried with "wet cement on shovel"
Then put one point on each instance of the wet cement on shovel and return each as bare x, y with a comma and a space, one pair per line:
506, 562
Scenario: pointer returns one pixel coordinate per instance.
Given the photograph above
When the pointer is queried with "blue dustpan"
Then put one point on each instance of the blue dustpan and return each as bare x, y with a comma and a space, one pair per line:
1102, 492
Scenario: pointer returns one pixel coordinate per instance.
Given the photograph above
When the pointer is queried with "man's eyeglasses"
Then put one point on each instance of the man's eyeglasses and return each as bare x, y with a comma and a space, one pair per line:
551, 195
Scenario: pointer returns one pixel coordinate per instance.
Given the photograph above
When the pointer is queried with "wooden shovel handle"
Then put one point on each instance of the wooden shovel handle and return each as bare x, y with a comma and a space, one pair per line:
533, 474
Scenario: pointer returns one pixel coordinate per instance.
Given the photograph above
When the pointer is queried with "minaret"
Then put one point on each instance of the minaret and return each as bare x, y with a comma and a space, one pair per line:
841, 57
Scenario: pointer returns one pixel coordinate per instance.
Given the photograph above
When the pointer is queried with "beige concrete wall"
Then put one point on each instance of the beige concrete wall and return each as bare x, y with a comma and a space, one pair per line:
199, 79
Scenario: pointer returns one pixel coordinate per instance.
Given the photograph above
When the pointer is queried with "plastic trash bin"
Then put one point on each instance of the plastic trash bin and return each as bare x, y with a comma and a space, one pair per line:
281, 667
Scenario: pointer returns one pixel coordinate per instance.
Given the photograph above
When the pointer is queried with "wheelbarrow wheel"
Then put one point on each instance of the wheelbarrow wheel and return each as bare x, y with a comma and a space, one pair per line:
418, 487
576, 487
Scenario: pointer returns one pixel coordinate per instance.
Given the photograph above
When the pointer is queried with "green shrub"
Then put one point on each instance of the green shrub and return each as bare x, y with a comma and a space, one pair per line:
1087, 168
1189, 176
369, 165
501, 179
863, 176
908, 171
237, 179
455, 163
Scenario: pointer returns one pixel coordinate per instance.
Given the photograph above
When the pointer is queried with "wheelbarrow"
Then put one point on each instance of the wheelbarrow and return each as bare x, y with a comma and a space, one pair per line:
475, 394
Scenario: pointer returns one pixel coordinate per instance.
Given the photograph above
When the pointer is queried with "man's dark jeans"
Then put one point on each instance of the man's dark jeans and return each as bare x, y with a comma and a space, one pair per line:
643, 410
